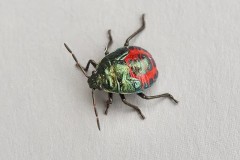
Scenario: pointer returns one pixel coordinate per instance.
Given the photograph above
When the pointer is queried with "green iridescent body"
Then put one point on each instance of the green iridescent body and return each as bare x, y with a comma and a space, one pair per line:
113, 74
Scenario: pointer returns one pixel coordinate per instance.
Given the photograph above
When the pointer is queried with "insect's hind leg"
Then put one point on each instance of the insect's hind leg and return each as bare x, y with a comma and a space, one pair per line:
137, 32
106, 52
109, 101
131, 105
167, 95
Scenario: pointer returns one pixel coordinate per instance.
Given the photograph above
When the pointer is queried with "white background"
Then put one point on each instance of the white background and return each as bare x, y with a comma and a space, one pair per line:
46, 110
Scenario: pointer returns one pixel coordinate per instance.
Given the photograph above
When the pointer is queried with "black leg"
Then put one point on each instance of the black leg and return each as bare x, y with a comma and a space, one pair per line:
90, 62
109, 101
135, 33
131, 105
167, 95
109, 42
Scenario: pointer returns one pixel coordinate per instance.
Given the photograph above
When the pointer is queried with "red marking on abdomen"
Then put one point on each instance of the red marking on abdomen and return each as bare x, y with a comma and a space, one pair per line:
136, 53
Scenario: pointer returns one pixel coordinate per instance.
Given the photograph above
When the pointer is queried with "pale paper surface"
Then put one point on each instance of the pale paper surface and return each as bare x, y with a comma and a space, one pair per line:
46, 111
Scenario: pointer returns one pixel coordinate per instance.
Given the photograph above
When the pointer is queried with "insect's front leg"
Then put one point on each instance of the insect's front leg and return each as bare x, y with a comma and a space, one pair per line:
167, 95
109, 101
92, 62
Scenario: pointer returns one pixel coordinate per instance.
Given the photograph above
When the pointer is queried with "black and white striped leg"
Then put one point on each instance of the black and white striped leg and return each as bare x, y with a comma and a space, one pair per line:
166, 95
132, 106
109, 101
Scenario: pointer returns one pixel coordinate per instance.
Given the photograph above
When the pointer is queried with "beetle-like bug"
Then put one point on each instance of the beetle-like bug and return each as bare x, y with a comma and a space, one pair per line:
127, 70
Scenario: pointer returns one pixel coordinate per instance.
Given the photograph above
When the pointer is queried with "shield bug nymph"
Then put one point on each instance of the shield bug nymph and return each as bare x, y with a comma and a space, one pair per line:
128, 70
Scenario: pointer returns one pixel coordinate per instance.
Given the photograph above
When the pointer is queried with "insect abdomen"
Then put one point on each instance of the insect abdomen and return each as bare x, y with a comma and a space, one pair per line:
142, 66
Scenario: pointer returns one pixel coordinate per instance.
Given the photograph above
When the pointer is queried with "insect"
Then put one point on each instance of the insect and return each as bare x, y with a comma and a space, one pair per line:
128, 70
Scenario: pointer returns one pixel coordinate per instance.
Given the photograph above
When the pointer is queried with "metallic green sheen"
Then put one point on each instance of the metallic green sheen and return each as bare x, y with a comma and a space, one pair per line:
112, 75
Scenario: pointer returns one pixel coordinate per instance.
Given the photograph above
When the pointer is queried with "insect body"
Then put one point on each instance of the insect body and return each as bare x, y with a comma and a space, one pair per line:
127, 70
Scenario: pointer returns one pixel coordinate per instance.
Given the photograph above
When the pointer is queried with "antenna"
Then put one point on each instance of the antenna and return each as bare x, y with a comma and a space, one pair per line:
95, 110
75, 59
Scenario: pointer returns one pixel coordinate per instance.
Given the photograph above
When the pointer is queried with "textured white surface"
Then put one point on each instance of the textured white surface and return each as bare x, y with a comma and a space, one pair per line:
45, 104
